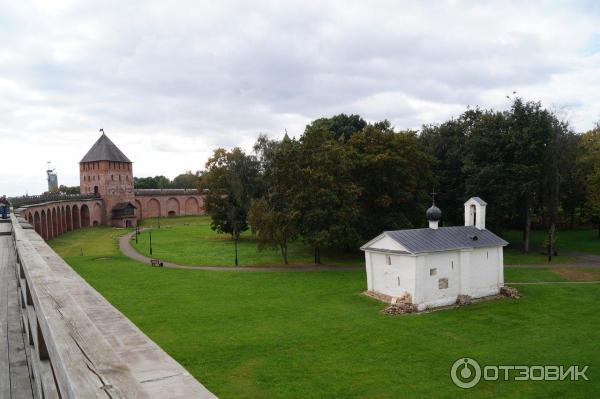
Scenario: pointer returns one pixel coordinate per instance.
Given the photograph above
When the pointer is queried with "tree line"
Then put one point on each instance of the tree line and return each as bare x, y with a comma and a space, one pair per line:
343, 180
188, 179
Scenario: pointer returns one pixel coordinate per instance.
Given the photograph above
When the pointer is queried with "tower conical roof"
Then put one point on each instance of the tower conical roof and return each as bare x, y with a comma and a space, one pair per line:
105, 150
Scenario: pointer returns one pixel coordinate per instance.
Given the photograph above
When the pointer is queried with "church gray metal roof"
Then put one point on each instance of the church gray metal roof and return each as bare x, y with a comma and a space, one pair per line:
445, 239
105, 150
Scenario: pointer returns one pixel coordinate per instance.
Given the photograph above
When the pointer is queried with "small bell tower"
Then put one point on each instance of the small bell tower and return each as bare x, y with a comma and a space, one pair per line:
475, 212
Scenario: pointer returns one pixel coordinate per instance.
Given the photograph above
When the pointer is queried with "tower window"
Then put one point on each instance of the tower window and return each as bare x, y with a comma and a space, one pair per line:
388, 260
433, 272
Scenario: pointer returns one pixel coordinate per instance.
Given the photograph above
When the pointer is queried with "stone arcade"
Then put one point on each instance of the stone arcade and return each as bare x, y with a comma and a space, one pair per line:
431, 267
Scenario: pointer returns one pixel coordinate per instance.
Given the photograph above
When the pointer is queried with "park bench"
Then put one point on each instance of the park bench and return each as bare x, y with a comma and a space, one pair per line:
156, 262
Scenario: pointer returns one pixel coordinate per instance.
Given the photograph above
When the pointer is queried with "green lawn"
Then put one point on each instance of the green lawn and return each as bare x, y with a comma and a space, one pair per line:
313, 335
585, 241
190, 241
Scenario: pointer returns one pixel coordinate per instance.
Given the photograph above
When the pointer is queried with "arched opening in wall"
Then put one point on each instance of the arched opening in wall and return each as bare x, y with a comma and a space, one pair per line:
85, 216
95, 190
138, 210
54, 223
44, 222
30, 218
76, 219
49, 232
97, 214
191, 206
69, 218
153, 208
59, 227
473, 215
37, 223
64, 219
172, 207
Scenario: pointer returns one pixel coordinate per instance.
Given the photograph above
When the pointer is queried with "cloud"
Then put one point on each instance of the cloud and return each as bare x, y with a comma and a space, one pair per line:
171, 82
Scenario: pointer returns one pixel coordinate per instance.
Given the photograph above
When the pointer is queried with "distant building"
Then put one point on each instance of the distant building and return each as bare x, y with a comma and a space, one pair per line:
433, 266
52, 178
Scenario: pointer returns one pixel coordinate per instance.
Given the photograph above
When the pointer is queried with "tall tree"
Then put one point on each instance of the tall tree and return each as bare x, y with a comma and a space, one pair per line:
393, 176
340, 127
274, 217
573, 176
186, 180
155, 182
328, 199
230, 179
590, 163
446, 143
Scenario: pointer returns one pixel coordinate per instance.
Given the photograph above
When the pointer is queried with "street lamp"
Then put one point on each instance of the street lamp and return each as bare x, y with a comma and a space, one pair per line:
150, 233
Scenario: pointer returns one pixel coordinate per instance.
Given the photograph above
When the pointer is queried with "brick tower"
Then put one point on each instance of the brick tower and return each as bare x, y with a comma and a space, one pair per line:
107, 172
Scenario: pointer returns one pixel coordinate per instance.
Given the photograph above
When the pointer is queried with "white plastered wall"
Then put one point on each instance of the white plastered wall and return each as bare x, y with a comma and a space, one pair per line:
486, 272
393, 280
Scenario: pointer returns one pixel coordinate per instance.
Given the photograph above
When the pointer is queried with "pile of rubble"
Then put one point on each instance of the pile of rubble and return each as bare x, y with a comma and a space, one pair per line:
509, 292
401, 305
400, 308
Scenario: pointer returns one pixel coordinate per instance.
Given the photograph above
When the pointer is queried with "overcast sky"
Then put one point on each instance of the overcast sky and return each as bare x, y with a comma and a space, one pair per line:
170, 81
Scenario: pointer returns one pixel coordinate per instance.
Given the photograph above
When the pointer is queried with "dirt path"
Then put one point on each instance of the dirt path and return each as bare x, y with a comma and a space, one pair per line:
129, 251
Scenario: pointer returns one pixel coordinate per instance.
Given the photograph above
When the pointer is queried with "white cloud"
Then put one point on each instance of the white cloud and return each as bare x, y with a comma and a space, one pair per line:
171, 81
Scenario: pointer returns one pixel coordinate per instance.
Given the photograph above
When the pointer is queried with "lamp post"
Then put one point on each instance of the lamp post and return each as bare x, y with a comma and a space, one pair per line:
137, 232
150, 233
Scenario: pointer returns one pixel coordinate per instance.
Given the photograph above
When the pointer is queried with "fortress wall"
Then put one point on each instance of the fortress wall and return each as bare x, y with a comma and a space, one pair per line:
51, 219
167, 203
80, 346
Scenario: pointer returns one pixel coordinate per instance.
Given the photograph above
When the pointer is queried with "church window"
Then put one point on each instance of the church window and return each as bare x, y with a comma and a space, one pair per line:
442, 283
433, 272
398, 280
452, 262
388, 260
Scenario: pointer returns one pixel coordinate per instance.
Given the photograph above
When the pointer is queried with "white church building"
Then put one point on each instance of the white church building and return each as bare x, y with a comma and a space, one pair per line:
434, 265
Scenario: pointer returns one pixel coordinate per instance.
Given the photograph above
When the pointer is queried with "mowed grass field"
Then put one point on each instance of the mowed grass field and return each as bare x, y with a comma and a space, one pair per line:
190, 241
313, 335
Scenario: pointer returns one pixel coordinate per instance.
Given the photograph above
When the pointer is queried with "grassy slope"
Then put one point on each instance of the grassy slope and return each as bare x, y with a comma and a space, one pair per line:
312, 335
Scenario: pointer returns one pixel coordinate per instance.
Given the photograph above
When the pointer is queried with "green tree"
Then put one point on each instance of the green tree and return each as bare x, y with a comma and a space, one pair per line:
573, 177
274, 217
393, 177
186, 180
156, 182
590, 163
230, 179
327, 201
446, 144
340, 127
